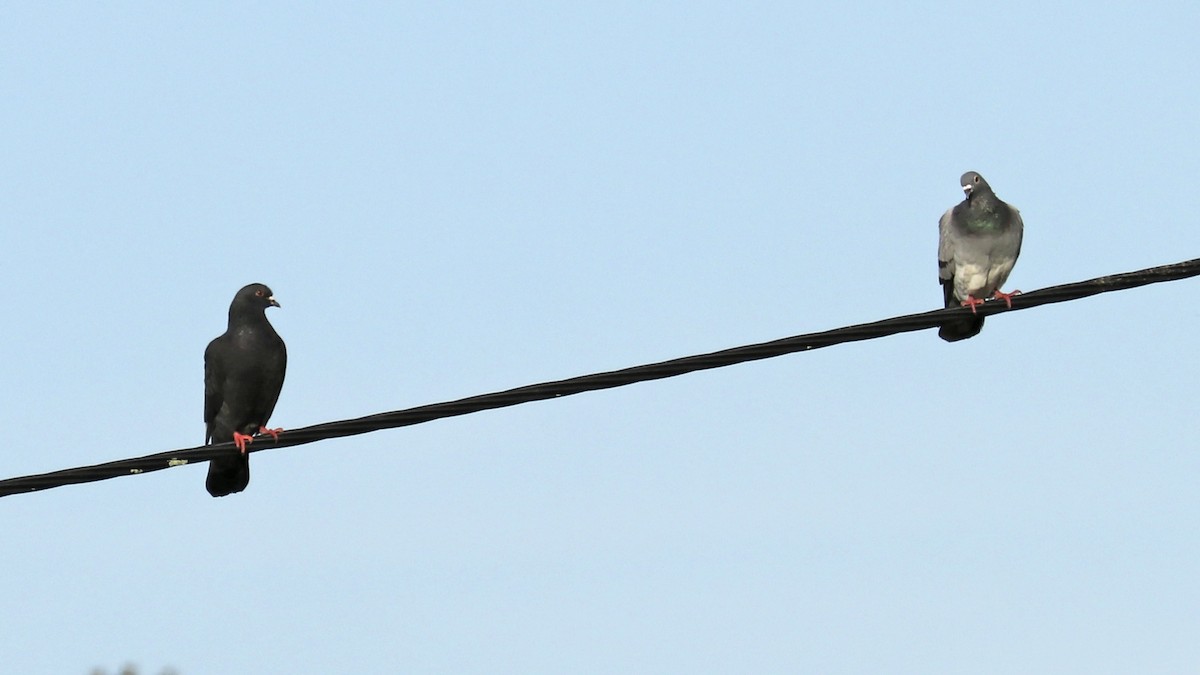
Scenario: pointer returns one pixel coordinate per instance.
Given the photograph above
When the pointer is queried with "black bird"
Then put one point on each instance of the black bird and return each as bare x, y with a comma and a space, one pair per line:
243, 373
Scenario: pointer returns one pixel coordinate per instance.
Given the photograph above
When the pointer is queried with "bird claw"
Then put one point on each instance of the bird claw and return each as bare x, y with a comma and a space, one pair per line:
273, 433
972, 302
1006, 297
241, 441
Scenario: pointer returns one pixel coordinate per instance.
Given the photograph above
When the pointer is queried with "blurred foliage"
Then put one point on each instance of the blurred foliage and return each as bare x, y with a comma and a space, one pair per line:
130, 669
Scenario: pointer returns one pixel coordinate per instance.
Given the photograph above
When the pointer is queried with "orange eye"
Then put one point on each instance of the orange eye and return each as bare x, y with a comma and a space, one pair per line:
258, 293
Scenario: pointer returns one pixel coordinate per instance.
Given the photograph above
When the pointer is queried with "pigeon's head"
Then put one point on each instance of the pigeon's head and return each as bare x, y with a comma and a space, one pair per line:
256, 296
973, 183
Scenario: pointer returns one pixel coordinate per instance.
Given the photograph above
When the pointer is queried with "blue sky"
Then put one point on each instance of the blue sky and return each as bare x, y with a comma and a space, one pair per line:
455, 199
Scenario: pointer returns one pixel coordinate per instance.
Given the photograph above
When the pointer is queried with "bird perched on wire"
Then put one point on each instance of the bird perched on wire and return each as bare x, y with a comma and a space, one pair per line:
243, 374
978, 244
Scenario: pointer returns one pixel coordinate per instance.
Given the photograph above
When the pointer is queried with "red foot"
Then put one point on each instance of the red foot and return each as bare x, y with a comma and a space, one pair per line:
1006, 297
972, 302
274, 433
241, 441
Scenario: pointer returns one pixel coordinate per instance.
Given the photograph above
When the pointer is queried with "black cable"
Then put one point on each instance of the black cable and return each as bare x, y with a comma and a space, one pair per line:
616, 378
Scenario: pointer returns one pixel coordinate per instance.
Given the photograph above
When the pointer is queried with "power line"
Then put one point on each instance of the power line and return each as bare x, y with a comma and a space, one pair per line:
598, 381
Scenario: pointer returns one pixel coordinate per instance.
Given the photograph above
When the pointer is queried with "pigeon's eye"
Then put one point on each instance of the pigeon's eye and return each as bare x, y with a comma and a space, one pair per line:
258, 292
976, 179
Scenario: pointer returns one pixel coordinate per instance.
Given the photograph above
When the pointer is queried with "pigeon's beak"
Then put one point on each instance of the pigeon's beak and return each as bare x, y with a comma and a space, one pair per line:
967, 189
274, 302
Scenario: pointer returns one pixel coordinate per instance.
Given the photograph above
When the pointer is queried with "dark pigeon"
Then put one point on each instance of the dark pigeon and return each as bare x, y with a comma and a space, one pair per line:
243, 373
979, 241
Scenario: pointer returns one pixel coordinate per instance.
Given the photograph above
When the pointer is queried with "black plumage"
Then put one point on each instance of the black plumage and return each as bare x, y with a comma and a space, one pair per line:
243, 374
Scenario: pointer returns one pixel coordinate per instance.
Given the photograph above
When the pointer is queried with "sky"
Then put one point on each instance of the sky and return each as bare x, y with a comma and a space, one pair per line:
450, 199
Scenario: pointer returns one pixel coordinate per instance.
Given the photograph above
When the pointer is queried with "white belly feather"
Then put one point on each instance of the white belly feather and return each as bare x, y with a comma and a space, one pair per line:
980, 281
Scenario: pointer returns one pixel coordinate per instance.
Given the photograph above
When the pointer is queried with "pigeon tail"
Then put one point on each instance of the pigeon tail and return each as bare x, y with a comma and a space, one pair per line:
227, 475
953, 331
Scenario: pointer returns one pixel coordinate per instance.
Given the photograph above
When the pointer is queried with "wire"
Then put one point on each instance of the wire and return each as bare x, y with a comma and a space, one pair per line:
598, 381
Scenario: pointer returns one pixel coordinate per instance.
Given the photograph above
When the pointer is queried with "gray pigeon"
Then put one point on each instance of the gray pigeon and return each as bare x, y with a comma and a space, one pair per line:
978, 244
243, 374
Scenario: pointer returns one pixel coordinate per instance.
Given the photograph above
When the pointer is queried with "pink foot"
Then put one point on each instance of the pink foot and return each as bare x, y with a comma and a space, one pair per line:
972, 302
274, 433
241, 441
1006, 297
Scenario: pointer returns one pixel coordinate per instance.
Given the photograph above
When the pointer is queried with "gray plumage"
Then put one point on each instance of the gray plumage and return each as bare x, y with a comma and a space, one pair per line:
243, 374
978, 244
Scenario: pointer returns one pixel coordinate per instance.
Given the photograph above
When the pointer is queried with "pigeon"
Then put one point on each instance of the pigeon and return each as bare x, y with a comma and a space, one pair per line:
978, 244
243, 373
